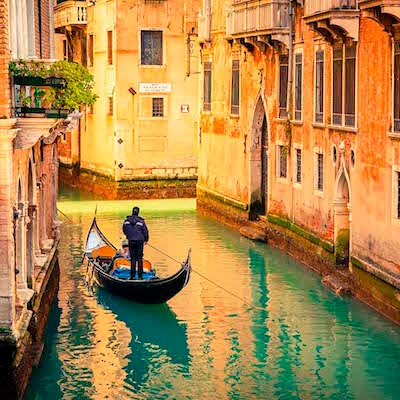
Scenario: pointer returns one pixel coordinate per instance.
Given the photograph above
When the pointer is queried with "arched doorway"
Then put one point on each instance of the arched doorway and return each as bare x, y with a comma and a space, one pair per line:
342, 212
259, 162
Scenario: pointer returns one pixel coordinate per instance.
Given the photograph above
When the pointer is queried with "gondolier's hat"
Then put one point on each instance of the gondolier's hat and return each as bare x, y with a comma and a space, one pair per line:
135, 210
125, 243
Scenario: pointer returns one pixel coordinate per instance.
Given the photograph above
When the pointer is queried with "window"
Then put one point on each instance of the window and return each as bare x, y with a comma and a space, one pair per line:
91, 109
110, 106
320, 172
298, 89
90, 50
398, 194
396, 78
235, 87
319, 86
298, 166
151, 48
282, 166
344, 85
158, 107
109, 47
207, 86
283, 85
65, 50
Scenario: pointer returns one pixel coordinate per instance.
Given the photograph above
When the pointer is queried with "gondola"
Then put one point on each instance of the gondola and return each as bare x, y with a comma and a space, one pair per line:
99, 252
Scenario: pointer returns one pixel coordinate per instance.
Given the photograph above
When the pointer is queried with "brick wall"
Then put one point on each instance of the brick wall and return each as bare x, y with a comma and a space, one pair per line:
5, 102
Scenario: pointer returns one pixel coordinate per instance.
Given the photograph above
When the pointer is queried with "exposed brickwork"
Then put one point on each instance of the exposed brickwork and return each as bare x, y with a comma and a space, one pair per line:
5, 56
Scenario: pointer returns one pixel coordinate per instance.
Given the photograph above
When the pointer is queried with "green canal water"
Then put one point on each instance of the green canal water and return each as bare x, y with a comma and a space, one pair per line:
300, 342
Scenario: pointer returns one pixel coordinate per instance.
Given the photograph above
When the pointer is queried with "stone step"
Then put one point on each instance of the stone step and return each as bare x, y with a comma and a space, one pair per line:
253, 233
336, 284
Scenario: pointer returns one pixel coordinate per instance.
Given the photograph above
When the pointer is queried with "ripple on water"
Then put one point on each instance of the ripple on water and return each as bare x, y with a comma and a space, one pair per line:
300, 341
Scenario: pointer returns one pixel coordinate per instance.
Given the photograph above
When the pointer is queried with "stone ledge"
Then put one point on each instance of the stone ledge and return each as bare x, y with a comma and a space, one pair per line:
379, 273
301, 232
222, 198
253, 233
334, 283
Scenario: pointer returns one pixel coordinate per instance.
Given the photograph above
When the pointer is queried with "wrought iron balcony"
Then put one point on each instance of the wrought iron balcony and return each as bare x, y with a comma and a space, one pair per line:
257, 19
333, 18
69, 13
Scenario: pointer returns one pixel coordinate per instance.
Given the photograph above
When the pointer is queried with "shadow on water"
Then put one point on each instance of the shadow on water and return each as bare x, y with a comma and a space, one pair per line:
154, 328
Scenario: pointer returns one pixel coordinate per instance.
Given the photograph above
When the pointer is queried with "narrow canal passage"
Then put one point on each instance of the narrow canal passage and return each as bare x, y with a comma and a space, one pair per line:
303, 342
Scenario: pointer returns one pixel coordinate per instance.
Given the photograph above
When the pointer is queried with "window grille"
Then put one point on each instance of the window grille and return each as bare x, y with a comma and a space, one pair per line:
283, 85
298, 106
151, 48
207, 86
158, 107
319, 86
109, 47
320, 172
235, 87
396, 95
282, 162
298, 165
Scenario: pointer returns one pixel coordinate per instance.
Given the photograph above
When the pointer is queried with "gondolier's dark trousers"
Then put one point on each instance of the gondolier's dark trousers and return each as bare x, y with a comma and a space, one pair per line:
136, 253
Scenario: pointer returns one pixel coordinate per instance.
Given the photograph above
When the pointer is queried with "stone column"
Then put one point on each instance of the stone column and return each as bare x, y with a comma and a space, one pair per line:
7, 273
13, 29
51, 17
30, 8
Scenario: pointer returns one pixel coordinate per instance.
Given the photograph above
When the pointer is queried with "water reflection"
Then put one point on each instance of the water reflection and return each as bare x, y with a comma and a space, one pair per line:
301, 340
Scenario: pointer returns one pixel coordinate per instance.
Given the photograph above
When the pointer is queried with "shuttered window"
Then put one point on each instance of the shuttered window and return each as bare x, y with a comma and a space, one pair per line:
319, 86
298, 90
109, 47
298, 165
235, 87
320, 172
283, 85
207, 86
396, 99
90, 50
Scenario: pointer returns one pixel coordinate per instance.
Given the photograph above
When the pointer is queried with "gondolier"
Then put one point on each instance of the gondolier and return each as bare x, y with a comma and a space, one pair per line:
136, 232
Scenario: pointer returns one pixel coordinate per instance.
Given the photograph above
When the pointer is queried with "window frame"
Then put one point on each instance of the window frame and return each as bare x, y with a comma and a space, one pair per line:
281, 174
110, 108
297, 148
319, 155
235, 107
341, 118
110, 36
321, 113
282, 99
151, 31
396, 121
207, 67
154, 114
396, 195
90, 50
298, 87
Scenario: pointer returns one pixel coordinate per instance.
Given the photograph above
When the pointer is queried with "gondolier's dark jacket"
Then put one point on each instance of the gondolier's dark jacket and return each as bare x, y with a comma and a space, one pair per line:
135, 228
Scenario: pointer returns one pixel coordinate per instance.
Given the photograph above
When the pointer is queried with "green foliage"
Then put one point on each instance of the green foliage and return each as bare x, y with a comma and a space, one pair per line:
78, 89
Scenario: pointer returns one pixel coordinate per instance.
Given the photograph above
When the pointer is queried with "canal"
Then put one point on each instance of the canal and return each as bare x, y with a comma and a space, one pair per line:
301, 341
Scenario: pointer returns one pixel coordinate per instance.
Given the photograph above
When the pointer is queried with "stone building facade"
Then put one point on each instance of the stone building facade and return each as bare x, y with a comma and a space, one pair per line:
144, 125
299, 131
28, 185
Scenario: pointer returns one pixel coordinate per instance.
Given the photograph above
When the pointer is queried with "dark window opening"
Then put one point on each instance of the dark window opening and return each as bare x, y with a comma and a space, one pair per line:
110, 106
396, 100
298, 165
282, 162
320, 173
283, 85
91, 50
319, 86
158, 107
151, 48
235, 87
298, 101
109, 47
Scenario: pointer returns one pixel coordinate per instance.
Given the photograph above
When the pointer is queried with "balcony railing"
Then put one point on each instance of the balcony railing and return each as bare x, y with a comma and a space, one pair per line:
244, 18
70, 13
318, 6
